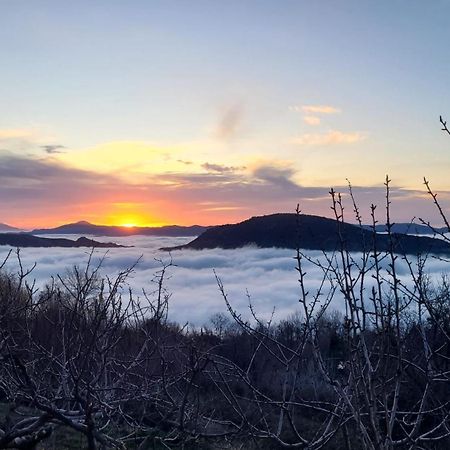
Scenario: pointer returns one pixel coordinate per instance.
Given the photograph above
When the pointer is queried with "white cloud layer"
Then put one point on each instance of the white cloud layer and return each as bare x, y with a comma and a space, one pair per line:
269, 275
311, 120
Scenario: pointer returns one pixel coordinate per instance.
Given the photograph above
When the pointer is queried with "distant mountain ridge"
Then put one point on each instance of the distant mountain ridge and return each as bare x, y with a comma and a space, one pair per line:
408, 228
84, 227
309, 233
28, 240
5, 228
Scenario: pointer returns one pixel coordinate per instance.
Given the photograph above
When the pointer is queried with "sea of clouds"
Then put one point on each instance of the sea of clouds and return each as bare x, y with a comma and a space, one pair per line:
267, 275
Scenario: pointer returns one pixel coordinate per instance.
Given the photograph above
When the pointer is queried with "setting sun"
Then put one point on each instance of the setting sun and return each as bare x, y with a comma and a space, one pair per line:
130, 215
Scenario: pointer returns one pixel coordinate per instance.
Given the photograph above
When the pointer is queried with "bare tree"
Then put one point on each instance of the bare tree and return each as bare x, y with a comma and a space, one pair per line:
390, 385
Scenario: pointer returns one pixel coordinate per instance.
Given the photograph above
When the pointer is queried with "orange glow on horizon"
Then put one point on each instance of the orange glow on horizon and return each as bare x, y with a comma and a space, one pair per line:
129, 225
128, 214
132, 220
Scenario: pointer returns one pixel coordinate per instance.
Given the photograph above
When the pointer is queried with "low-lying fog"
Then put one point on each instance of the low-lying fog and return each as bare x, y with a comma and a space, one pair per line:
268, 275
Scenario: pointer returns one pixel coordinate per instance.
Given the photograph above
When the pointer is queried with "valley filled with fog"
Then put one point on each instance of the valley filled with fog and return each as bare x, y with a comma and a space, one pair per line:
267, 275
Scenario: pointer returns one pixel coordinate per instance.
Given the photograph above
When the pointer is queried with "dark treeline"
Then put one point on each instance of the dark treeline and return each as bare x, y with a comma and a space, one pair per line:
85, 364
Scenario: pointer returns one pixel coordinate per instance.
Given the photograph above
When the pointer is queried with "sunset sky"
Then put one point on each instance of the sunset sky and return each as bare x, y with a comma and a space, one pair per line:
208, 112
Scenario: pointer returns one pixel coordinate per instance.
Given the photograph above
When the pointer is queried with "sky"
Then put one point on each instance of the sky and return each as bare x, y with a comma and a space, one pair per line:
209, 112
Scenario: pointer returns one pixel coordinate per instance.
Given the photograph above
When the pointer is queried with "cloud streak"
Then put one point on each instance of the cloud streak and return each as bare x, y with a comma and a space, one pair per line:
277, 176
15, 133
230, 122
320, 109
311, 120
220, 168
53, 149
312, 113
315, 109
329, 138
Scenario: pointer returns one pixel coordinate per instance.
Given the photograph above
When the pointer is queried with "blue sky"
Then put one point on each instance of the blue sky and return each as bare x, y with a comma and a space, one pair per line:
205, 96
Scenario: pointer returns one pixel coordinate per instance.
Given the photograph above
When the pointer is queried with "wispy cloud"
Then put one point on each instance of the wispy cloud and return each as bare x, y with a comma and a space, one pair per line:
220, 168
27, 140
52, 149
18, 139
277, 176
332, 137
320, 109
15, 133
311, 120
230, 122
223, 208
312, 113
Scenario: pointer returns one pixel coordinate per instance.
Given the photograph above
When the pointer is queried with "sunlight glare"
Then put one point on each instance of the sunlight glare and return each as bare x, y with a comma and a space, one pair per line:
129, 225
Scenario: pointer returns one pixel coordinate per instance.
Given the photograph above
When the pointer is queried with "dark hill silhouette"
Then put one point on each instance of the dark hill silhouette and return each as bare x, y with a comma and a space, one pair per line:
84, 227
28, 240
310, 233
5, 228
